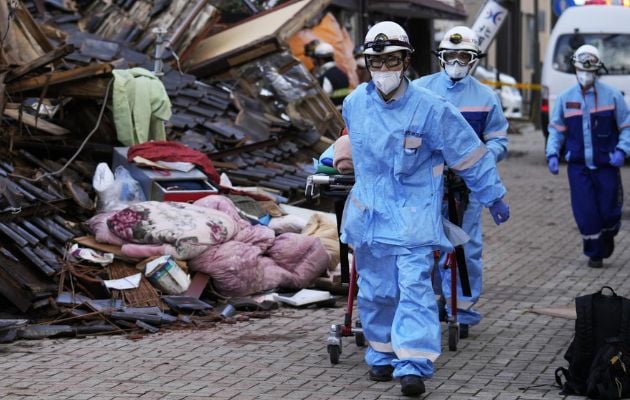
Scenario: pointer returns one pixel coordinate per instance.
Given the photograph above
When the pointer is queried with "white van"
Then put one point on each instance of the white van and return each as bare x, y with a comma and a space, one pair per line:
605, 27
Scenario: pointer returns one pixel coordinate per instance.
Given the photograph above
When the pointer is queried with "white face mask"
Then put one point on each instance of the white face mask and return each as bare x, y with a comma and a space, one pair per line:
387, 81
585, 78
456, 71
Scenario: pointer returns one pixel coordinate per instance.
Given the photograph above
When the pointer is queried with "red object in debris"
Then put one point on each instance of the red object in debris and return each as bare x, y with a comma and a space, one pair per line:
173, 151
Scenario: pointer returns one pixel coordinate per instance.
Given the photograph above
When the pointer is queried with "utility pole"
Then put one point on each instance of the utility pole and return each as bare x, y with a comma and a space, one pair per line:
363, 22
534, 111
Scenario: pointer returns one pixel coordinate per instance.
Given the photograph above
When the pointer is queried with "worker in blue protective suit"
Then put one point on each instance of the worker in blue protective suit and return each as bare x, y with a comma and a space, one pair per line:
401, 136
592, 120
458, 52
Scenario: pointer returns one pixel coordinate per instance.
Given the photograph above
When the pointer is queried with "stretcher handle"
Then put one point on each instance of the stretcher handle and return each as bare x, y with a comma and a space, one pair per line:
333, 179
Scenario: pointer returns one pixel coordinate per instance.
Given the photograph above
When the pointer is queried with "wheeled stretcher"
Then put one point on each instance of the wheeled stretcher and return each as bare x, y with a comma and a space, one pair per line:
337, 188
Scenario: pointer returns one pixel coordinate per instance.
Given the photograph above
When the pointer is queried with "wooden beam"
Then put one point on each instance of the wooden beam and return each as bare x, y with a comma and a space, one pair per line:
38, 123
26, 19
2, 76
40, 62
94, 88
55, 78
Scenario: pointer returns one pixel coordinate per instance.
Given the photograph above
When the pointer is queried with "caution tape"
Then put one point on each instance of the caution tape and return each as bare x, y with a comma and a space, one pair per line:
520, 85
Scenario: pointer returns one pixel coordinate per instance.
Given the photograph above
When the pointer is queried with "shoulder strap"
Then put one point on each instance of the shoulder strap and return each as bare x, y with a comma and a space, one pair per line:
624, 325
584, 324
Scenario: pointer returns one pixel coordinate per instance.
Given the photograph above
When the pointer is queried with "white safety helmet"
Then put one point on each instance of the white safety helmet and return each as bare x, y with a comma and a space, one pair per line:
586, 58
323, 50
386, 37
459, 44
460, 38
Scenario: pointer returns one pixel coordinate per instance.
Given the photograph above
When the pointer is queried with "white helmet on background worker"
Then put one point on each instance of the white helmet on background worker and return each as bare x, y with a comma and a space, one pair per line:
586, 58
323, 50
586, 62
386, 37
458, 51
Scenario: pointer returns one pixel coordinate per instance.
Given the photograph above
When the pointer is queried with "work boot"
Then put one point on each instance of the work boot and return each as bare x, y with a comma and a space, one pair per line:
411, 385
595, 262
381, 373
463, 331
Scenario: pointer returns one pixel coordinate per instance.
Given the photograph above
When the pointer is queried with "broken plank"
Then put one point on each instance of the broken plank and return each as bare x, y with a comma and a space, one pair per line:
30, 120
94, 88
26, 19
55, 78
40, 62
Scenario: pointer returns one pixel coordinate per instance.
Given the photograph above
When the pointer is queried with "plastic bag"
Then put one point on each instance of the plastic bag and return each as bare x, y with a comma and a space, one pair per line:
103, 183
117, 190
129, 190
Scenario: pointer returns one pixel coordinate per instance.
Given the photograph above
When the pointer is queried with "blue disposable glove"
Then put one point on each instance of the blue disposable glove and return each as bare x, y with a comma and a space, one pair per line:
500, 212
617, 158
552, 163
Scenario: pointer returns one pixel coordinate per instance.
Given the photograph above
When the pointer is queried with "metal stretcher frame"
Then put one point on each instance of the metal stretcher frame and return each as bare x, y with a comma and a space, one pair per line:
337, 187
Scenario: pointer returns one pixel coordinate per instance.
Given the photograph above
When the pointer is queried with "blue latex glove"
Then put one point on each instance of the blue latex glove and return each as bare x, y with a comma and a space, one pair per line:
617, 158
553, 164
326, 161
500, 211
326, 158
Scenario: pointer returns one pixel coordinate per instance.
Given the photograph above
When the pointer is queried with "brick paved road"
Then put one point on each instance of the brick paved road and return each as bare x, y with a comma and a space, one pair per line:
534, 260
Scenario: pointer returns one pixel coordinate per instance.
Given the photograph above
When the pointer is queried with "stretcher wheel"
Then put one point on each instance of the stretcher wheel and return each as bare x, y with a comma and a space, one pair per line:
453, 337
334, 352
359, 339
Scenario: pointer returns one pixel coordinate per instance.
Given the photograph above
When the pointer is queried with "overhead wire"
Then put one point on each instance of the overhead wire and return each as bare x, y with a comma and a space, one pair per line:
76, 154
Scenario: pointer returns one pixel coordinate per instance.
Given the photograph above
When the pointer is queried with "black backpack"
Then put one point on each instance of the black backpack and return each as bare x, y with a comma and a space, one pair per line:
599, 355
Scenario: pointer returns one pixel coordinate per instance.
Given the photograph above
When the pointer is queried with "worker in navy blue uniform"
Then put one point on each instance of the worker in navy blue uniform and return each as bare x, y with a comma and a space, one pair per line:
330, 77
458, 52
592, 121
401, 136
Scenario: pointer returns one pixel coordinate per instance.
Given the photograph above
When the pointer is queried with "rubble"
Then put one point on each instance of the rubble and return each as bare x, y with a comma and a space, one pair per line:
255, 111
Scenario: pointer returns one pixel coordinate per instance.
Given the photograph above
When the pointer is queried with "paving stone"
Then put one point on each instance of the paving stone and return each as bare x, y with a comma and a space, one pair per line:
534, 260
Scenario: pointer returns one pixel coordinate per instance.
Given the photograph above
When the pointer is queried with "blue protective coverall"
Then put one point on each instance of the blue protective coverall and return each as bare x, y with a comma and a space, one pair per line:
592, 125
392, 215
481, 107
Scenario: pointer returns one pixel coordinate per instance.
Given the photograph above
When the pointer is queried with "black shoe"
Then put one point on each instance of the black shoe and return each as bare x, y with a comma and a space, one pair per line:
381, 373
411, 385
463, 331
595, 262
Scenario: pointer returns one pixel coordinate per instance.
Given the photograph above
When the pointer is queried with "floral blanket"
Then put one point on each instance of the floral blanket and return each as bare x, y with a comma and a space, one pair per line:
188, 228
241, 258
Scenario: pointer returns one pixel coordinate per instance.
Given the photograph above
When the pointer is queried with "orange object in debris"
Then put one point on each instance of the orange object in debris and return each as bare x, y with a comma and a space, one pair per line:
328, 30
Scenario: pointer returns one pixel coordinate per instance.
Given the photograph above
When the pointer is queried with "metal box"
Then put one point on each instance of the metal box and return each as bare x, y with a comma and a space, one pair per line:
165, 185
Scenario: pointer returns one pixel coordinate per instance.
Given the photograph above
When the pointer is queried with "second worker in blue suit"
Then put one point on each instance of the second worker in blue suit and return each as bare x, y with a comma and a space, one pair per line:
458, 51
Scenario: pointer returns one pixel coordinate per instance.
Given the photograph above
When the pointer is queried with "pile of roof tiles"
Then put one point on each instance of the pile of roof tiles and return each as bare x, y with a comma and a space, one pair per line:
56, 62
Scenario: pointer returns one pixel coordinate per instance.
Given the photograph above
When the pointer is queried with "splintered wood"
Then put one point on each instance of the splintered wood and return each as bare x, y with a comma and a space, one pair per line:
144, 296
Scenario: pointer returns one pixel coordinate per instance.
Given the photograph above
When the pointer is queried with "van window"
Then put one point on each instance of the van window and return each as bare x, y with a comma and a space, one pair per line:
614, 50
